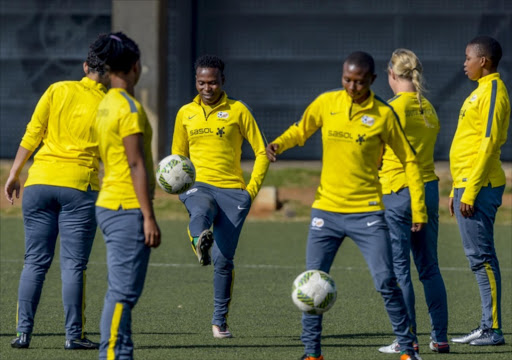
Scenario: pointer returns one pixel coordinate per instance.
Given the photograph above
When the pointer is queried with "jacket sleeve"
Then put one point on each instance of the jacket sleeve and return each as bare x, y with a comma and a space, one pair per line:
299, 132
180, 138
38, 125
397, 140
496, 112
250, 131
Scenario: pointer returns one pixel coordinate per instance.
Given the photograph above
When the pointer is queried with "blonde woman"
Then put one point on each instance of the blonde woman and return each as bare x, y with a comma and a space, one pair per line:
421, 125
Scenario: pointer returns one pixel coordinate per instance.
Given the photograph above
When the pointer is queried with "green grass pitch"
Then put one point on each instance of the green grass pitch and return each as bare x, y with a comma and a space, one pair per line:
172, 318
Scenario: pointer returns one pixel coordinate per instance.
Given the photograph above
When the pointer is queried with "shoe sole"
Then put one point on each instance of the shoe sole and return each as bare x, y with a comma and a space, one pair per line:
204, 244
442, 350
492, 344
221, 335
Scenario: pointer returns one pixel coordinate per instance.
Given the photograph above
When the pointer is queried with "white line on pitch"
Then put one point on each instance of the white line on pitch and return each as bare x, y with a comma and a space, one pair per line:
257, 266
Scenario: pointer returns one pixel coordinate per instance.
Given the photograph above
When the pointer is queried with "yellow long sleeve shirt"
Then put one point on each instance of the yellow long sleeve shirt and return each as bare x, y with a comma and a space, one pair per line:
121, 115
213, 142
482, 130
421, 133
62, 121
353, 138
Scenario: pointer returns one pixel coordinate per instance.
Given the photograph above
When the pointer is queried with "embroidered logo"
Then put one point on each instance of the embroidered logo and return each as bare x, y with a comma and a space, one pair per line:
367, 120
317, 222
360, 139
190, 117
473, 98
220, 131
222, 115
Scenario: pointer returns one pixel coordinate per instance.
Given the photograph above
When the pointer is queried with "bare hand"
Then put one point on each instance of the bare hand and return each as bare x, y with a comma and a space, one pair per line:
151, 233
417, 227
12, 185
272, 152
466, 210
450, 206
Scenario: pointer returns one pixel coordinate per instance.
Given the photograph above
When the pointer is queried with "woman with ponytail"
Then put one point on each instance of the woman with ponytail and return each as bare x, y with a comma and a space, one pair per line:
419, 120
124, 209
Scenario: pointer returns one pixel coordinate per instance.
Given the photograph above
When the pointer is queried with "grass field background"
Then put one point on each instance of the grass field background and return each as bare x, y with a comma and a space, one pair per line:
172, 318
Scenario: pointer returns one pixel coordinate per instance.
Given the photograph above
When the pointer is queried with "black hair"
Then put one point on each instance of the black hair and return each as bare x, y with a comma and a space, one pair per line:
363, 60
117, 51
94, 63
210, 61
488, 47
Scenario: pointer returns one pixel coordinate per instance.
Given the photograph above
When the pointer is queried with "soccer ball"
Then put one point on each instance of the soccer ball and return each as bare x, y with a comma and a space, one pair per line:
175, 174
314, 292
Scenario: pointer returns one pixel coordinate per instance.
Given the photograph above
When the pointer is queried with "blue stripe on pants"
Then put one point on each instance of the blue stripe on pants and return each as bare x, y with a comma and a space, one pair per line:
477, 234
48, 210
127, 262
370, 233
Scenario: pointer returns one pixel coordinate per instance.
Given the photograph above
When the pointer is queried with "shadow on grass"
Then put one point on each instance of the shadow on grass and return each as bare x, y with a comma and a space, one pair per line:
47, 334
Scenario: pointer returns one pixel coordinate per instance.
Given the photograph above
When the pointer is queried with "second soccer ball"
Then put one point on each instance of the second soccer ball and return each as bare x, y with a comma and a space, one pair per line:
175, 174
314, 292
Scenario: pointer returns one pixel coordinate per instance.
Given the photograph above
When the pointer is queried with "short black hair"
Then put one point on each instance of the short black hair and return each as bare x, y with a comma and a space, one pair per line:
362, 59
209, 61
488, 47
117, 51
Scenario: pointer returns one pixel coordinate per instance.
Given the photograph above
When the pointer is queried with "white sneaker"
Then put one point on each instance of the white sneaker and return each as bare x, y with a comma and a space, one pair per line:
221, 332
394, 348
474, 334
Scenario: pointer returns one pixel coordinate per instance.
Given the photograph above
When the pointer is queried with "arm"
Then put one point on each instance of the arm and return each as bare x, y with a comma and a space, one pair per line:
134, 149
495, 113
398, 142
34, 133
180, 138
13, 182
254, 136
298, 133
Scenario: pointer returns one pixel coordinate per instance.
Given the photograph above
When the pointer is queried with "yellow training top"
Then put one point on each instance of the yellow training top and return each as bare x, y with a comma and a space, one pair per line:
353, 138
62, 120
120, 115
481, 131
213, 142
421, 133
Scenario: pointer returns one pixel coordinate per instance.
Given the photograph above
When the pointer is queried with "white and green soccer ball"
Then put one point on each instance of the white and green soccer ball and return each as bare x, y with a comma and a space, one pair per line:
175, 174
314, 292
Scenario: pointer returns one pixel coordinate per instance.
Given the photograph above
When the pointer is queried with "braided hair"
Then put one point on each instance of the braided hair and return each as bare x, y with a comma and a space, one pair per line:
117, 51
94, 63
406, 65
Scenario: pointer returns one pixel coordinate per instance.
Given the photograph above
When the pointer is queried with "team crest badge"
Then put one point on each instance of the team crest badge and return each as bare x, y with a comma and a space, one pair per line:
317, 222
222, 115
367, 120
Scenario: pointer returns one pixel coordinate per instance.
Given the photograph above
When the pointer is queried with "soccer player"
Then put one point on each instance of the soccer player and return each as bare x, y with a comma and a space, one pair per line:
210, 131
124, 208
355, 126
62, 204
421, 126
479, 180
